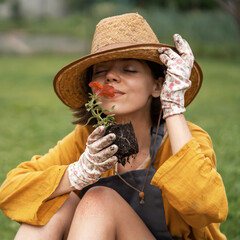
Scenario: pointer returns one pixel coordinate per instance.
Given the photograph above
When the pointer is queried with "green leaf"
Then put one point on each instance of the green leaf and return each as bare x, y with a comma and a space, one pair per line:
111, 115
97, 103
111, 109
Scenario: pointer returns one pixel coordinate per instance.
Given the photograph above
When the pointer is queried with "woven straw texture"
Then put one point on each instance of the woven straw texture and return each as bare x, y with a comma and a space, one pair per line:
137, 40
132, 28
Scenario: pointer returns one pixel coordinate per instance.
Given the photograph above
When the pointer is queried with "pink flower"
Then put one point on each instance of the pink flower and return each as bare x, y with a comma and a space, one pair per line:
100, 91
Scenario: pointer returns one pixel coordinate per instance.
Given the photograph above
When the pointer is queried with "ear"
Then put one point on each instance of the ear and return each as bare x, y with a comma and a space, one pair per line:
157, 87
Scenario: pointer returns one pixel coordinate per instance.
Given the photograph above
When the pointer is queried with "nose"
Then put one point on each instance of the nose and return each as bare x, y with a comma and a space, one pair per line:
112, 76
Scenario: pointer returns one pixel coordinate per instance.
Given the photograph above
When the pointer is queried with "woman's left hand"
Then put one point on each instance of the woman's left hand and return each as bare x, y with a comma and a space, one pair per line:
177, 78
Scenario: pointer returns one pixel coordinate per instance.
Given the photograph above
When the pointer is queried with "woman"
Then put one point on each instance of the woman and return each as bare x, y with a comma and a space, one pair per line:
169, 190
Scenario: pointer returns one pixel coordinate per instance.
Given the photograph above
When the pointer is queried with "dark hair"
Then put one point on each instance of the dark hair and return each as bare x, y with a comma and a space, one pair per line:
157, 71
83, 115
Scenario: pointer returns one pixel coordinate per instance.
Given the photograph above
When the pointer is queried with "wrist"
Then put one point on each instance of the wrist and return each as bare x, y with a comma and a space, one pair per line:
171, 109
77, 176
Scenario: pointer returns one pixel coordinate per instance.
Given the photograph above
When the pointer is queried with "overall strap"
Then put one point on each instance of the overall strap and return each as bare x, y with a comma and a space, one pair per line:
160, 134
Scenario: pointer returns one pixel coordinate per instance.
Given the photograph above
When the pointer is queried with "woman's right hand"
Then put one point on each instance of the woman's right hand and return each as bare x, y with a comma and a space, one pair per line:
97, 159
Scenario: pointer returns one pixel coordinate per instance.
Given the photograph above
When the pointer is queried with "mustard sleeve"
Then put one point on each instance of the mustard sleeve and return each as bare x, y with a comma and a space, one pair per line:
191, 184
24, 192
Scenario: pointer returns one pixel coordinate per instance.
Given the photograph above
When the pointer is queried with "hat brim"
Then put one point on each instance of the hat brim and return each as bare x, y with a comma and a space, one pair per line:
70, 82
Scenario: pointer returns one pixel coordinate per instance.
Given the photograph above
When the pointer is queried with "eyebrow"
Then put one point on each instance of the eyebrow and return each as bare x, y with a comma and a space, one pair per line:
122, 59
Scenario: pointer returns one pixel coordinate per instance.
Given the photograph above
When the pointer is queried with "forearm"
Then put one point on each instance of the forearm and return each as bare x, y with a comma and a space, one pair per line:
63, 187
178, 131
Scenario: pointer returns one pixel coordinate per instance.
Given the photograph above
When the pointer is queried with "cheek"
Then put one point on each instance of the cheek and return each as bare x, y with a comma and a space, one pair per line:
139, 98
145, 91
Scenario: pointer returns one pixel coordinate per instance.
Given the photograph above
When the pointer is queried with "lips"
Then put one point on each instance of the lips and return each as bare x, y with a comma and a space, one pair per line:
118, 92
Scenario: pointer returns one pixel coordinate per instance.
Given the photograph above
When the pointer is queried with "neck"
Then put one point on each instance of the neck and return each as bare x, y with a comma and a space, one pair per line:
143, 134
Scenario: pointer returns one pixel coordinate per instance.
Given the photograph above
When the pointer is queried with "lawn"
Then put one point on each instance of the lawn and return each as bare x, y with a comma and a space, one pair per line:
33, 119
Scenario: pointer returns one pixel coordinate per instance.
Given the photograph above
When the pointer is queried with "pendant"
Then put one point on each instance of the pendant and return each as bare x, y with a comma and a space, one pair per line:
141, 195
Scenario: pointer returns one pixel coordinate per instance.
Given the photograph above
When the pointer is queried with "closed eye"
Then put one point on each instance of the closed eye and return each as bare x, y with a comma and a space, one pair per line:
99, 72
130, 71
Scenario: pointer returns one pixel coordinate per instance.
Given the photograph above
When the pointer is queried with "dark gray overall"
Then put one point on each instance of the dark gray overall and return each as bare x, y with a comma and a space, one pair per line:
152, 211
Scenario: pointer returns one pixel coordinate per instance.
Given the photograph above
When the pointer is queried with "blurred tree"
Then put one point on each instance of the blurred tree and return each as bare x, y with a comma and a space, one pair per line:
15, 7
196, 4
182, 5
232, 7
79, 5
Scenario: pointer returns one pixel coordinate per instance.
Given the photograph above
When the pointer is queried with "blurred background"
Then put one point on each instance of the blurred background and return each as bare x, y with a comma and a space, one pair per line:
39, 37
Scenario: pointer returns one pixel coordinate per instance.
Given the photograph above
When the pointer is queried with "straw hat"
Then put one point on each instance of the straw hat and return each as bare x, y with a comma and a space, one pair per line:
123, 36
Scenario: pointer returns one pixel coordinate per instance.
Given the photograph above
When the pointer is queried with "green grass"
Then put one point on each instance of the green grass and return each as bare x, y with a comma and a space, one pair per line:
217, 110
33, 119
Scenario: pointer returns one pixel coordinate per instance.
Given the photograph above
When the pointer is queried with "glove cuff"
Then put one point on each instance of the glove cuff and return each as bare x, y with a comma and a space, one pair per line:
77, 178
170, 109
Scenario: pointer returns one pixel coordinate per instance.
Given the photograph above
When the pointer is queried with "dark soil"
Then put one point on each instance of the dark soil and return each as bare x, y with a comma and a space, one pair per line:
125, 140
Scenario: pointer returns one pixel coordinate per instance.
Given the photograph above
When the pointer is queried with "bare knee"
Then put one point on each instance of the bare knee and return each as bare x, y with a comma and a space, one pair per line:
111, 217
101, 193
57, 227
94, 211
98, 199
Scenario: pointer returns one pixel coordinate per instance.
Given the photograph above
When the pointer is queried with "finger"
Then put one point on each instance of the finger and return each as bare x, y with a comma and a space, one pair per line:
105, 154
109, 163
106, 165
96, 134
183, 48
165, 59
180, 44
188, 57
172, 55
90, 166
101, 143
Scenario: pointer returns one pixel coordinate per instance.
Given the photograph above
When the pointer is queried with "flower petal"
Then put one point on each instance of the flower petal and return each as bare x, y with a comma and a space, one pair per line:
108, 91
95, 85
100, 91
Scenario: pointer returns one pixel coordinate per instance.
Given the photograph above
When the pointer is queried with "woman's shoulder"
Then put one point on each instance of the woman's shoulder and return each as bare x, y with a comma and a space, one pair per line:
78, 136
194, 128
199, 134
83, 131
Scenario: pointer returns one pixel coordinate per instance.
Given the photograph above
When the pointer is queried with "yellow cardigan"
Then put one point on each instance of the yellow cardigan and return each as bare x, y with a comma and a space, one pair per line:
193, 193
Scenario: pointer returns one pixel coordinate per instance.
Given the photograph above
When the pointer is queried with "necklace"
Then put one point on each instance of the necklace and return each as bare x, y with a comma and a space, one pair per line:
141, 192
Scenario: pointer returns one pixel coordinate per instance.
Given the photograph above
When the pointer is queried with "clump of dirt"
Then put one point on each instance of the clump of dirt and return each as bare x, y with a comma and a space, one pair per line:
125, 140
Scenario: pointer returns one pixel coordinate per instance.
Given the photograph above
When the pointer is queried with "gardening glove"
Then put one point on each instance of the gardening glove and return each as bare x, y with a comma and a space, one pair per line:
177, 76
97, 159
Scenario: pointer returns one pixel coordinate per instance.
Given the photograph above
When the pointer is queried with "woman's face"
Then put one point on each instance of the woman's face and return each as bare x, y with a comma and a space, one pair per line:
133, 83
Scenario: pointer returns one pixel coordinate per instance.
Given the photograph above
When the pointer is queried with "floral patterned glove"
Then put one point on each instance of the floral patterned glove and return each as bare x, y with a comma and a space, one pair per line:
97, 159
177, 76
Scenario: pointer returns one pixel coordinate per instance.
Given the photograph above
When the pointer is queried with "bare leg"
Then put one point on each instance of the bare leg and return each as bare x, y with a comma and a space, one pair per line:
58, 226
103, 214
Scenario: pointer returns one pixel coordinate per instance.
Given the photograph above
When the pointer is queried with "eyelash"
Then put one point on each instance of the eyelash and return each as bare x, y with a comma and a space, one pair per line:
125, 70
98, 72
